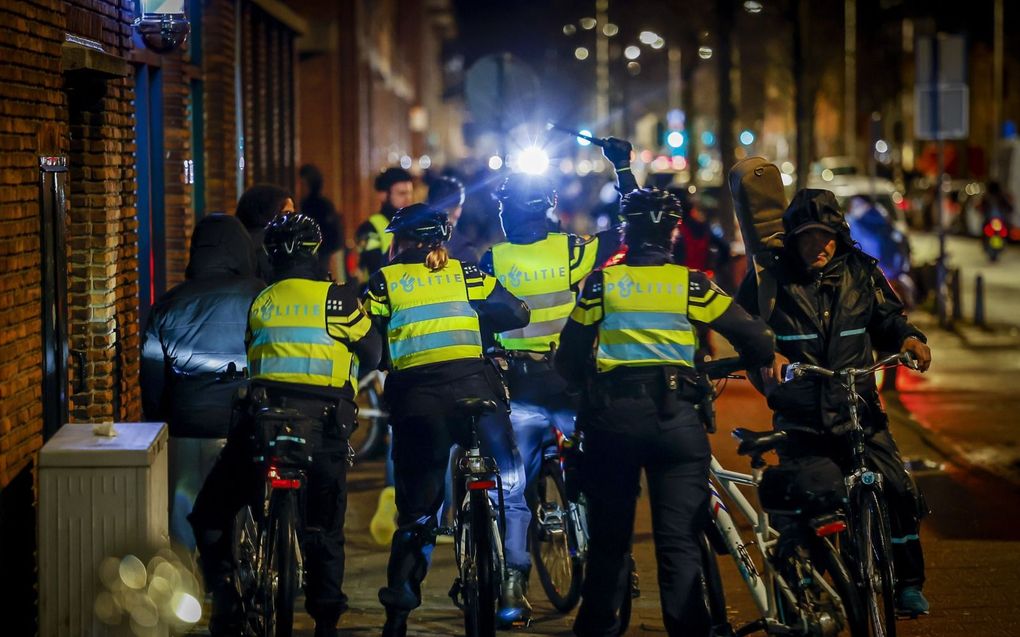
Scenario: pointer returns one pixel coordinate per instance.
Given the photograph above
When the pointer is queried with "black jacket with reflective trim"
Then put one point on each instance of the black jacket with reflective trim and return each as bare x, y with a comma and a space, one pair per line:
835, 318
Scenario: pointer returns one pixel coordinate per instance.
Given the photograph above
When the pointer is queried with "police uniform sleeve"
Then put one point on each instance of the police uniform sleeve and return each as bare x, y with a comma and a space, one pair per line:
347, 322
750, 335
580, 332
498, 310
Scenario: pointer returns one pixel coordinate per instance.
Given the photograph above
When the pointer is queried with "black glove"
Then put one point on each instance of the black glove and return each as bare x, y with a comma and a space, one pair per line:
617, 151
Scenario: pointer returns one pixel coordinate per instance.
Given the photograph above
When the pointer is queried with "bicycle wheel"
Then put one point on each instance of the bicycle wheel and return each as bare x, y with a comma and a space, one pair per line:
481, 581
715, 597
245, 548
874, 567
369, 439
279, 582
843, 583
554, 540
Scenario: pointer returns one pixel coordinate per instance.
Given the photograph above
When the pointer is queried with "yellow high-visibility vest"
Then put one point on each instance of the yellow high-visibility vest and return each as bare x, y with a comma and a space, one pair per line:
539, 274
430, 315
294, 339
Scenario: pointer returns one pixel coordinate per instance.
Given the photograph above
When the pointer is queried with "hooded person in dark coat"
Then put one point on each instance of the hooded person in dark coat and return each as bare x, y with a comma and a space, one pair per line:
193, 355
831, 306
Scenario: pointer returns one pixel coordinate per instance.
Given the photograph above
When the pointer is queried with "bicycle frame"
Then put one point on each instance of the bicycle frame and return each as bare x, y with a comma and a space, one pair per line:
478, 472
762, 586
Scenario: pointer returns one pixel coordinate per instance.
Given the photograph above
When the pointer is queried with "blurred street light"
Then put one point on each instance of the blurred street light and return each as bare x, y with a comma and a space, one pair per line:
581, 53
633, 68
569, 29
705, 53
753, 6
881, 146
588, 23
658, 43
746, 137
495, 162
647, 37
631, 52
675, 139
610, 29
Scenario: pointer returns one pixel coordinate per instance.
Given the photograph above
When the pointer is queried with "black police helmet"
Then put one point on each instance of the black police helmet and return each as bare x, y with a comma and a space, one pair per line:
521, 193
446, 193
650, 212
290, 236
422, 223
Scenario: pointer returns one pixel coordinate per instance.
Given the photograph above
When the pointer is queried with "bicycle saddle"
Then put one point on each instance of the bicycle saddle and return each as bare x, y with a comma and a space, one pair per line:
755, 443
477, 406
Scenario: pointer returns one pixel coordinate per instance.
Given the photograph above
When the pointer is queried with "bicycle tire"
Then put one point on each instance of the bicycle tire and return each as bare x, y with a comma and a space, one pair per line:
280, 581
844, 585
874, 564
554, 551
715, 595
245, 554
369, 439
481, 594
627, 607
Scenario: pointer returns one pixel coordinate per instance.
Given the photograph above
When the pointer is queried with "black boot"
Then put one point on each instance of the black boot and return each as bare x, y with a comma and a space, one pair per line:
514, 609
396, 624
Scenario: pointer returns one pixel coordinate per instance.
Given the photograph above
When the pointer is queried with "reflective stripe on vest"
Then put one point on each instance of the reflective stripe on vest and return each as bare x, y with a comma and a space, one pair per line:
379, 222
539, 274
289, 341
645, 318
431, 319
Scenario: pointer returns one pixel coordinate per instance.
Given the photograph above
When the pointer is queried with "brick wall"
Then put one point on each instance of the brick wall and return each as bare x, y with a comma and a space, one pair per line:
30, 103
218, 32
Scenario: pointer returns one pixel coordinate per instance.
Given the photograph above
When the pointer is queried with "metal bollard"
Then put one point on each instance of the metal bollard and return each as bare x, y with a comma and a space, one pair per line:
979, 301
955, 295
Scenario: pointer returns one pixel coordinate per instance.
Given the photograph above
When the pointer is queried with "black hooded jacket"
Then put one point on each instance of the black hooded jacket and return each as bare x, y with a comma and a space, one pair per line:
836, 318
196, 332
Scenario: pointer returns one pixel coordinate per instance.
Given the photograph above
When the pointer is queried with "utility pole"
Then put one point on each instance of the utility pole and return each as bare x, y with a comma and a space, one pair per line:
850, 79
997, 71
727, 146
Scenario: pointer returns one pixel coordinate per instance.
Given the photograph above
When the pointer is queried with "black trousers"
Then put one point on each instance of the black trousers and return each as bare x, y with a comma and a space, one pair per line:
901, 493
621, 440
425, 425
235, 480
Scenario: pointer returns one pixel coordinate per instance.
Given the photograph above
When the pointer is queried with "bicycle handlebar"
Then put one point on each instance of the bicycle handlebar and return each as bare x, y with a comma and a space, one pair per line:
721, 368
800, 370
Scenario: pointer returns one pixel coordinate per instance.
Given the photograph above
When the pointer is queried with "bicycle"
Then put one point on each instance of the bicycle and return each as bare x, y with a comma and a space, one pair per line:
869, 550
788, 590
559, 529
268, 562
369, 438
478, 530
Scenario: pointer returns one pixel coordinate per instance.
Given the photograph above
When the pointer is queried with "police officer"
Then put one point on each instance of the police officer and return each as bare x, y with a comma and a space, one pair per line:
544, 269
639, 413
306, 338
432, 308
395, 188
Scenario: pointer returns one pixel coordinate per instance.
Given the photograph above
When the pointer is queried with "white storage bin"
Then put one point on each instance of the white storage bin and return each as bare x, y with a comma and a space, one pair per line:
98, 497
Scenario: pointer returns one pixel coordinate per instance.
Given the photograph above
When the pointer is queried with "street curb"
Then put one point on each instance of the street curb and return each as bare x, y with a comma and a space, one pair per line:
901, 416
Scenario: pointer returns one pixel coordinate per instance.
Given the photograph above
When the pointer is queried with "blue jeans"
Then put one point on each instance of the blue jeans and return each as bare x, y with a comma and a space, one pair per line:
532, 422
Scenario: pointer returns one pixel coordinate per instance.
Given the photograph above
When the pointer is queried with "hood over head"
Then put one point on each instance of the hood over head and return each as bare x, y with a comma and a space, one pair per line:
220, 246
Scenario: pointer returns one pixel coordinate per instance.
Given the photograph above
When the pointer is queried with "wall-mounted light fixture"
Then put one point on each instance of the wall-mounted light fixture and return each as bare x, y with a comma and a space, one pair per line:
162, 25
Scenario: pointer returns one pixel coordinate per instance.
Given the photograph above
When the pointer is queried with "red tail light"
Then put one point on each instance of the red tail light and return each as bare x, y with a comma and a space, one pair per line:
276, 482
831, 528
482, 485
